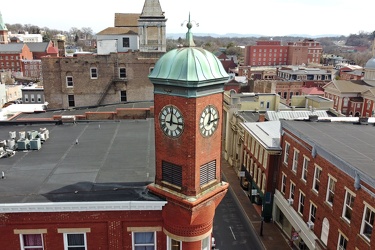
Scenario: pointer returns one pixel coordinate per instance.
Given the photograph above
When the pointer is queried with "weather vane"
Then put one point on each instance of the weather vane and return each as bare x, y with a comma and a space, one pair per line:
189, 23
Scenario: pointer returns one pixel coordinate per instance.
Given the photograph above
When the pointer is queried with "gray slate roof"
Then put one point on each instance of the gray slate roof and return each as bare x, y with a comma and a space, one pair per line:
38, 47
111, 162
11, 48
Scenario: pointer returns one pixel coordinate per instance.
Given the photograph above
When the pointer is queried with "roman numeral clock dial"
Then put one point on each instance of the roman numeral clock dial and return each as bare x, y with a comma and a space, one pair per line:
208, 121
171, 121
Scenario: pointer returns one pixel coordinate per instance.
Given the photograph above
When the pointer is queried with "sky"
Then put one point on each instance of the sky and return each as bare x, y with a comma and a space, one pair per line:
260, 17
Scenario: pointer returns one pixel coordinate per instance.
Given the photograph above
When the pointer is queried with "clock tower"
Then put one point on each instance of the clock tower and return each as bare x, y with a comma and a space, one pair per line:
188, 100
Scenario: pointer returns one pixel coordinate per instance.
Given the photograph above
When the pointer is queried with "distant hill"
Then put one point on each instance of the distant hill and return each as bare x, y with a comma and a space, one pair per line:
182, 35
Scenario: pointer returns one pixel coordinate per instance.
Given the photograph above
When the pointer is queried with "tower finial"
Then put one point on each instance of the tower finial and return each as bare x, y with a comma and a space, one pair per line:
189, 36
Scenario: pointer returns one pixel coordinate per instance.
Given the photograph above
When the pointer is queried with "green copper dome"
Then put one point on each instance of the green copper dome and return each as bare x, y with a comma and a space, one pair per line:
2, 24
189, 64
189, 71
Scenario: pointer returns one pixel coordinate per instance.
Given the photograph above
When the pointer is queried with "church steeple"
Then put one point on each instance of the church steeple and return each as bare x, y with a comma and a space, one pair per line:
151, 28
3, 31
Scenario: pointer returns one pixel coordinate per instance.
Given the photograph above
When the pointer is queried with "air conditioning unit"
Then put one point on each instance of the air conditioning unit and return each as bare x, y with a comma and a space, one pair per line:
290, 201
310, 225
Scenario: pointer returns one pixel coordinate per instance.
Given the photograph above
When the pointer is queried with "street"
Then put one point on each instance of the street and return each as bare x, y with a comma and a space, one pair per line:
232, 229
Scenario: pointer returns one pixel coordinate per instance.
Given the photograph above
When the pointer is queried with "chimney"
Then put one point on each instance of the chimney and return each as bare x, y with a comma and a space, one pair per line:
262, 117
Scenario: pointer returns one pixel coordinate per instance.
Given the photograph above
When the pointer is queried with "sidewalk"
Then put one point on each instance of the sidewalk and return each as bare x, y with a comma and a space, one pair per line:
272, 236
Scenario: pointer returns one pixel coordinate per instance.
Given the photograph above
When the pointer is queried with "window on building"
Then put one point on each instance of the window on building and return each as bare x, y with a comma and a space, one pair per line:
295, 160
286, 153
316, 182
122, 72
69, 81
348, 206
94, 73
312, 212
39, 98
301, 203
343, 242
172, 173
265, 160
261, 104
305, 168
367, 222
144, 240
75, 241
292, 189
208, 172
123, 97
125, 42
285, 95
31, 241
325, 231
206, 243
32, 98
331, 190
26, 98
283, 183
71, 102
174, 244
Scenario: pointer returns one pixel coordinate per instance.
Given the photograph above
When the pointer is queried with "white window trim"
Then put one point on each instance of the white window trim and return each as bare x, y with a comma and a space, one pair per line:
344, 205
310, 212
299, 202
283, 184
67, 85
31, 247
295, 161
286, 153
367, 206
133, 241
338, 240
91, 68
290, 190
305, 168
314, 180
330, 178
66, 239
169, 243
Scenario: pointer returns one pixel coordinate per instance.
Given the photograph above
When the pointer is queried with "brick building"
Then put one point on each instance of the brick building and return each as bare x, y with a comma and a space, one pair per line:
12, 56
324, 198
273, 53
107, 77
131, 184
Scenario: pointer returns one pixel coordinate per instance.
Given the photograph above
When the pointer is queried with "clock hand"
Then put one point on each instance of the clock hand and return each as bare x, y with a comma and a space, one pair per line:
209, 116
171, 118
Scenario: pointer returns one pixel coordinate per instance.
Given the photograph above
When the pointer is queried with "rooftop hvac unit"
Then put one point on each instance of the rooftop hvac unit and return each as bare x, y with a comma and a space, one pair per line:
32, 134
12, 144
310, 225
12, 134
23, 144
35, 144
22, 135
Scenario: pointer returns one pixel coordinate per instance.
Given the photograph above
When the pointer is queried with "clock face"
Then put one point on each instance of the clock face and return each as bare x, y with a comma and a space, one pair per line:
209, 121
171, 121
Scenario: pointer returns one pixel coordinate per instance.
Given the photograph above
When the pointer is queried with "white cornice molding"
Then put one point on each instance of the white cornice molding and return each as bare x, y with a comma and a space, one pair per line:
81, 206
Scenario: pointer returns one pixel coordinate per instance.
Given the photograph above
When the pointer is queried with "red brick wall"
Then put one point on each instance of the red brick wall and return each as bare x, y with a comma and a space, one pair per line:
191, 149
108, 230
332, 213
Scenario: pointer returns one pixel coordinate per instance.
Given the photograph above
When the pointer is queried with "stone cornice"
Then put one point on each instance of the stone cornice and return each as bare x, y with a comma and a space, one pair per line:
81, 206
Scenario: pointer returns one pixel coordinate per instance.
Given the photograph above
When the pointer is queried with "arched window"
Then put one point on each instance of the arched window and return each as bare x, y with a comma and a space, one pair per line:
325, 231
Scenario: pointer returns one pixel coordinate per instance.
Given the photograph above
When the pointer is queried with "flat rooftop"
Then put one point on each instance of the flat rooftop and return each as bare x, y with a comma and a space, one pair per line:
347, 145
113, 161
